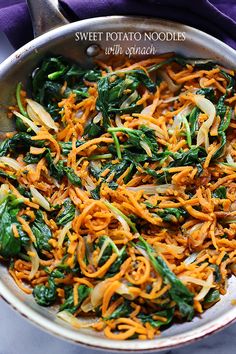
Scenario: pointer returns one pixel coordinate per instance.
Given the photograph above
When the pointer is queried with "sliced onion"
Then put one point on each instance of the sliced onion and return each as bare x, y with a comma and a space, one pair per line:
203, 283
205, 288
89, 250
4, 191
96, 164
97, 118
98, 292
194, 228
147, 110
158, 131
144, 119
37, 150
27, 121
230, 160
174, 248
202, 82
33, 116
200, 61
177, 249
122, 221
143, 252
229, 220
31, 166
152, 188
171, 85
125, 292
86, 305
129, 100
150, 109
118, 121
42, 115
75, 322
88, 187
190, 259
79, 113
208, 108
146, 148
108, 241
40, 199
34, 261
171, 99
89, 184
63, 232
11, 162
178, 119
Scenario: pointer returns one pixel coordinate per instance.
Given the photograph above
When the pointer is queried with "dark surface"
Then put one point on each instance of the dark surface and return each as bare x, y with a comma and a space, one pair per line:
217, 17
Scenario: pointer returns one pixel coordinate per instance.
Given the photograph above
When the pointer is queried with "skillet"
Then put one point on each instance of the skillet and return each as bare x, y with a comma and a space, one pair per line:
54, 34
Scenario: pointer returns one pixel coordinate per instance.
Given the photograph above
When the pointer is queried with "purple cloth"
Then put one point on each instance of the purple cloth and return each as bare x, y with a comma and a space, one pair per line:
216, 17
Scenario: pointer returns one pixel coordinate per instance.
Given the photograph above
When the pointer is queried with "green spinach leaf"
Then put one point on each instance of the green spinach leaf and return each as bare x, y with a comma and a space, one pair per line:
115, 88
212, 296
45, 295
66, 214
124, 310
83, 293
220, 193
41, 232
150, 318
172, 215
9, 245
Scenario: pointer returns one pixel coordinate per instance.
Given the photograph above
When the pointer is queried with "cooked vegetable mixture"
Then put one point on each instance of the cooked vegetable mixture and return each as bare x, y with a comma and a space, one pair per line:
118, 191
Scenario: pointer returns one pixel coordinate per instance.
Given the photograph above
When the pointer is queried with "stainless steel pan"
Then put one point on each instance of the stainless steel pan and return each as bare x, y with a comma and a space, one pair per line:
61, 40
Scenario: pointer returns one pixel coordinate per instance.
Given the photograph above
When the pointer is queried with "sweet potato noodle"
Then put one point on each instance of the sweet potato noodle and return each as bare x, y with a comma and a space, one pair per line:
118, 191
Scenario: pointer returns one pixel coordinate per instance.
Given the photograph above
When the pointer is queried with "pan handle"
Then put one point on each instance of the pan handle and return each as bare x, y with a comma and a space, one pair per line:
45, 15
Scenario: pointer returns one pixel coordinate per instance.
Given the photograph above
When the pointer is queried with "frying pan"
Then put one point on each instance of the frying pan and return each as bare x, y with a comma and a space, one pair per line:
55, 35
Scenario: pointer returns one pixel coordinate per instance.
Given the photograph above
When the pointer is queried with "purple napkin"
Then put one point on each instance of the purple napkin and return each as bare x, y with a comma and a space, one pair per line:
216, 17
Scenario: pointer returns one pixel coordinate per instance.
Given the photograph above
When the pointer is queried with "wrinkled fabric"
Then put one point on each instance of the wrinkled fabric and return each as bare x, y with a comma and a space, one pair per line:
216, 17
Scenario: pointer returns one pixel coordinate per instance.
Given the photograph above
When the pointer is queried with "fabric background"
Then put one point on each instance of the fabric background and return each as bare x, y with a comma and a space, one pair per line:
216, 17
